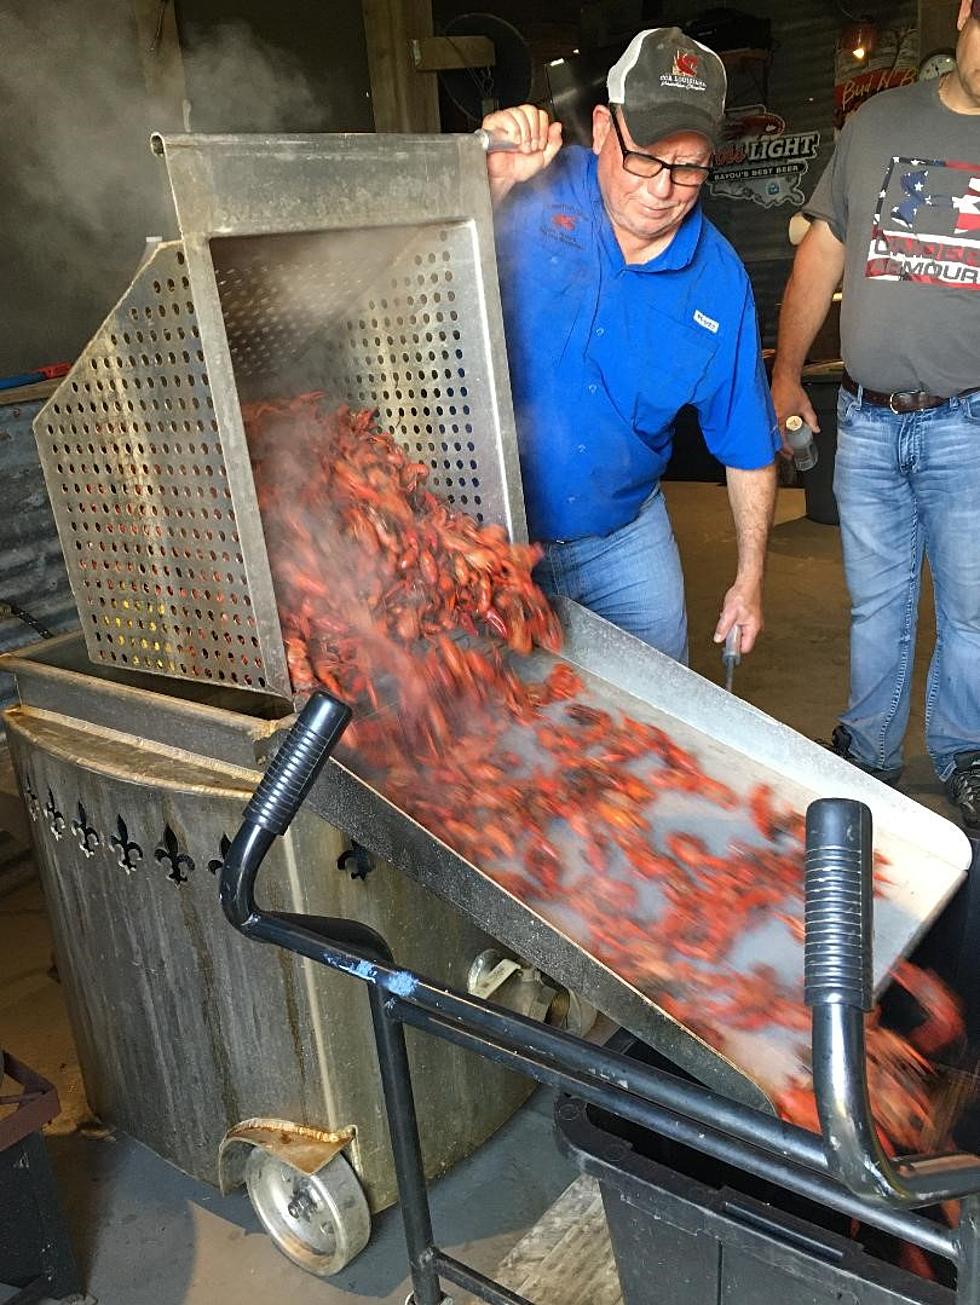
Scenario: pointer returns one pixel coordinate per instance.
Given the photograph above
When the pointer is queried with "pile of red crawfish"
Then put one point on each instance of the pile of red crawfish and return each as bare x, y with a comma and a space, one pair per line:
416, 615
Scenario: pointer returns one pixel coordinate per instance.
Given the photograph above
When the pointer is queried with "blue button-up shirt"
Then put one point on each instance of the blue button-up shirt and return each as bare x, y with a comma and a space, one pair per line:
602, 353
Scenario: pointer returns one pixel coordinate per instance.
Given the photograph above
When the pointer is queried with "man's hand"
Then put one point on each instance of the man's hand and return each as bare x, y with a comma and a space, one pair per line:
538, 140
752, 494
789, 398
742, 607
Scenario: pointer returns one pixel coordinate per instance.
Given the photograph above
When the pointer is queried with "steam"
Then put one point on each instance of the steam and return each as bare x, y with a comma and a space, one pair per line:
237, 84
81, 188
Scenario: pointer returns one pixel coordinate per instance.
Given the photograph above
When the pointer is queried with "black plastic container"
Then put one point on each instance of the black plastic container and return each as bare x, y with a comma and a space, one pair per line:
688, 1230
818, 483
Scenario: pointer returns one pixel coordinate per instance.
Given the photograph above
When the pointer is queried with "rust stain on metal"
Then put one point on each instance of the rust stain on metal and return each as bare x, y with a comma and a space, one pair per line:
301, 1145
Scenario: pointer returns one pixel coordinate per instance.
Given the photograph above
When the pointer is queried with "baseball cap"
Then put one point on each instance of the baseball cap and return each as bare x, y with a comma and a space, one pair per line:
667, 82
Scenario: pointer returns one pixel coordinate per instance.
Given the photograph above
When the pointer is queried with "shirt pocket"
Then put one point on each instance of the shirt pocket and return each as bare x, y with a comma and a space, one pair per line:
653, 368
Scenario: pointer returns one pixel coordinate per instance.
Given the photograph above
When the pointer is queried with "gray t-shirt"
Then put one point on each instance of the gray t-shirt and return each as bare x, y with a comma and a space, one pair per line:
902, 191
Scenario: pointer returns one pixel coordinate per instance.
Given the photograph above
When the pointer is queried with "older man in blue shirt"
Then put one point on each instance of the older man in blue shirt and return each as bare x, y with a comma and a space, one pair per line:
622, 303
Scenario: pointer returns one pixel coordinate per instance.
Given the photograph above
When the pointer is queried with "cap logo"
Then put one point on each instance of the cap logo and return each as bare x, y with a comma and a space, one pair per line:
686, 63
686, 72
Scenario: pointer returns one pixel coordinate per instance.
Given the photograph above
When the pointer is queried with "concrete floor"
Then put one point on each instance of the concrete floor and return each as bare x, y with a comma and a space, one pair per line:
799, 670
148, 1235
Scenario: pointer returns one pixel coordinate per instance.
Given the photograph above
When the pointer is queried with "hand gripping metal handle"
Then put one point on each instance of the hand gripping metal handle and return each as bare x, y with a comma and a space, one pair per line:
288, 778
838, 990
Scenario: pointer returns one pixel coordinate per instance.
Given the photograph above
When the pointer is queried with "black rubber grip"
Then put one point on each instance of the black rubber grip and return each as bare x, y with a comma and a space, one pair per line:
299, 759
838, 904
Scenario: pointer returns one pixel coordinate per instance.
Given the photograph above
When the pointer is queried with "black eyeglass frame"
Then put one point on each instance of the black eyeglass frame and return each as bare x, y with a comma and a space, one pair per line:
662, 164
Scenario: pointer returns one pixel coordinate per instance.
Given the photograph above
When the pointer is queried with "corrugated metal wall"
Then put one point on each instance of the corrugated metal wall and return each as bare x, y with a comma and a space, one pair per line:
800, 90
32, 568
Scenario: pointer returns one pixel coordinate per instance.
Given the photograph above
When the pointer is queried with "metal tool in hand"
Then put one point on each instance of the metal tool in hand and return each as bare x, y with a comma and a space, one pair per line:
731, 654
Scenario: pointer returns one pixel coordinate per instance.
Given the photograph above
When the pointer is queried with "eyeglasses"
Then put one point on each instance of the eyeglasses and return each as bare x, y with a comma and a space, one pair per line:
648, 165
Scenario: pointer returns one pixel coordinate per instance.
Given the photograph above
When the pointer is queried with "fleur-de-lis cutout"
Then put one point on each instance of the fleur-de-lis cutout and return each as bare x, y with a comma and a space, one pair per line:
56, 821
356, 860
218, 864
87, 837
31, 799
170, 851
128, 853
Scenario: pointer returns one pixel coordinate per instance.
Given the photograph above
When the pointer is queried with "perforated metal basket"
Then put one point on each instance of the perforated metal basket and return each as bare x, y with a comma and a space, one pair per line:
362, 265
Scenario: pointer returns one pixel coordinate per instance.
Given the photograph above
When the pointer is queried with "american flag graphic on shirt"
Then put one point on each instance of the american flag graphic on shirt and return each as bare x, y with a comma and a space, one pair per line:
926, 226
968, 209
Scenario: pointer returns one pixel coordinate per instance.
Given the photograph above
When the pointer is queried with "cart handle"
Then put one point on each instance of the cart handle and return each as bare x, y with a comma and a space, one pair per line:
838, 956
288, 778
839, 991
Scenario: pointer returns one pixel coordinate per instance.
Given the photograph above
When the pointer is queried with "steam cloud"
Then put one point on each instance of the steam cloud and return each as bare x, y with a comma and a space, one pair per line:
81, 188
238, 84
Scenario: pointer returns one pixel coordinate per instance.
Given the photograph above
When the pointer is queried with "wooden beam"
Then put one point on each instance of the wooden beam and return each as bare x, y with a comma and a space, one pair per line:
403, 99
437, 53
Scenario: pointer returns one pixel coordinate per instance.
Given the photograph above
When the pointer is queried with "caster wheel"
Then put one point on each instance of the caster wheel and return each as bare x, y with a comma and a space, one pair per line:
319, 1221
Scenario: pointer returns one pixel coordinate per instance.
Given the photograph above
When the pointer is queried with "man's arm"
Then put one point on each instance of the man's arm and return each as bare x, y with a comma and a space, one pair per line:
817, 270
536, 139
752, 495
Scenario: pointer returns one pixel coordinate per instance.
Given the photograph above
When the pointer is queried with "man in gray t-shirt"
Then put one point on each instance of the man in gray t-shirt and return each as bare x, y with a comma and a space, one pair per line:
897, 212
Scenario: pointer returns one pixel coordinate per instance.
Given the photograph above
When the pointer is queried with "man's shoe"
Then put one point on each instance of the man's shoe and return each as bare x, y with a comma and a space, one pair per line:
840, 743
963, 789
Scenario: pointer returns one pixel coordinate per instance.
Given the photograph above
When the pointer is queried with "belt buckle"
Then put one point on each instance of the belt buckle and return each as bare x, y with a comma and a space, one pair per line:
896, 394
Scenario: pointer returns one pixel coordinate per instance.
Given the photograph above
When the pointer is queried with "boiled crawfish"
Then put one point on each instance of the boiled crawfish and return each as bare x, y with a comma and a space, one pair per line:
412, 611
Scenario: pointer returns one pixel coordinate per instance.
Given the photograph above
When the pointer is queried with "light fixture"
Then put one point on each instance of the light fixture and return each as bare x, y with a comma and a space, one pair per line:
858, 38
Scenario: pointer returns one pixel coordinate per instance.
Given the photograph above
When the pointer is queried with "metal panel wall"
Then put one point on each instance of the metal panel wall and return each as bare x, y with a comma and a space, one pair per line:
800, 90
32, 568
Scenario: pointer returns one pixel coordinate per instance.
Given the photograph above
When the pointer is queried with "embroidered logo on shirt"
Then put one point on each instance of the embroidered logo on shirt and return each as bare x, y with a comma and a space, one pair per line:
708, 323
562, 226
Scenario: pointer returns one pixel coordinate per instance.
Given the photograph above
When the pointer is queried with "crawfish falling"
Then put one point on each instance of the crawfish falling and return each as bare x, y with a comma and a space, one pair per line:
422, 618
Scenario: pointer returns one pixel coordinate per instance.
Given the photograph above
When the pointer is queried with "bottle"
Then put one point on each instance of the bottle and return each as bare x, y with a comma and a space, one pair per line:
799, 437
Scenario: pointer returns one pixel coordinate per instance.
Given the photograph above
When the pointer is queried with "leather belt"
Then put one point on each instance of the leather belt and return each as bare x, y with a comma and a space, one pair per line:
902, 400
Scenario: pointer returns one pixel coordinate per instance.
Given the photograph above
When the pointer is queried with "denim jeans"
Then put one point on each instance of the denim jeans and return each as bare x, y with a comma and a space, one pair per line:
631, 577
907, 484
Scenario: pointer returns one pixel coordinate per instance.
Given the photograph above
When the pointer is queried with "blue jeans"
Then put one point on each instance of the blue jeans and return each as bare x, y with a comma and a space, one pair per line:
907, 484
631, 577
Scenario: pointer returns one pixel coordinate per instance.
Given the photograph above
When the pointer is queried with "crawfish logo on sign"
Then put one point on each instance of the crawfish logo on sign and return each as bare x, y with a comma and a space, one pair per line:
760, 161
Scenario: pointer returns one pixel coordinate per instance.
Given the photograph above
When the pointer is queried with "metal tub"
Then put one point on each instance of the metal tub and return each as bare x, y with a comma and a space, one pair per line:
183, 1028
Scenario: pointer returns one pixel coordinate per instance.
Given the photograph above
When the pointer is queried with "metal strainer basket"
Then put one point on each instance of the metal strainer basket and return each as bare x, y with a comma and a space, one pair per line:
360, 265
